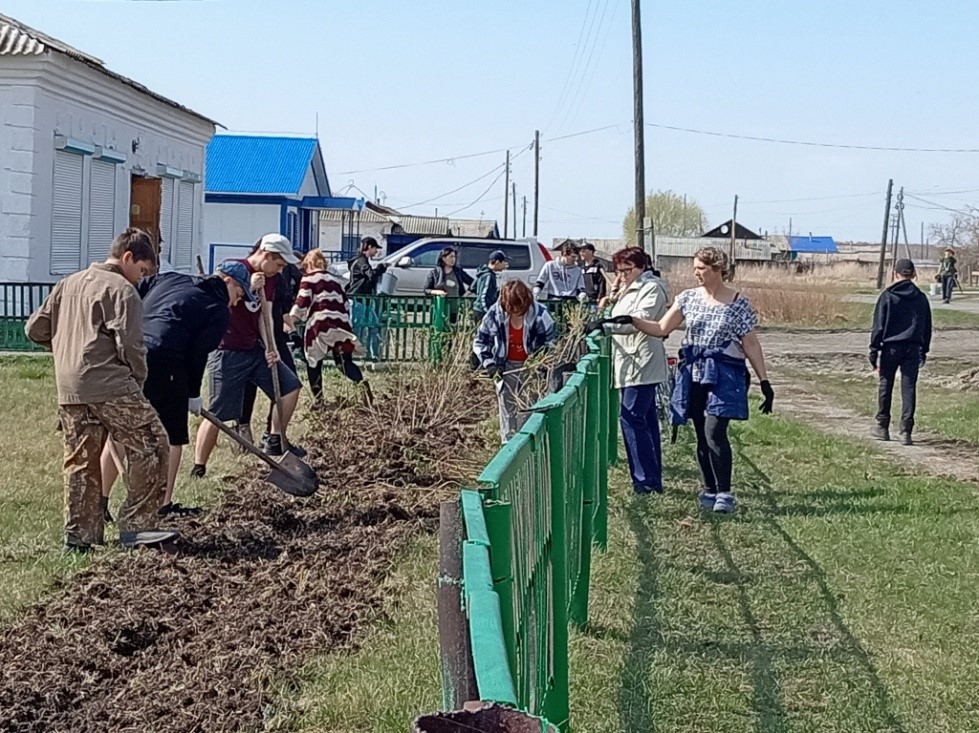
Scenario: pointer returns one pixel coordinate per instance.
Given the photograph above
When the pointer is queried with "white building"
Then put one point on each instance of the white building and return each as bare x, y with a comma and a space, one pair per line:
85, 153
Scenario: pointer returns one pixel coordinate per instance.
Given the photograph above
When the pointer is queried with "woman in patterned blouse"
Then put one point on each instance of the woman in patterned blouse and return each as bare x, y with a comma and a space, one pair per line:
712, 384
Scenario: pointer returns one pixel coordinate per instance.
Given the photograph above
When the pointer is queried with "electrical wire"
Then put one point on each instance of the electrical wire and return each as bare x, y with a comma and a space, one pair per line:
809, 143
578, 49
588, 71
488, 173
480, 197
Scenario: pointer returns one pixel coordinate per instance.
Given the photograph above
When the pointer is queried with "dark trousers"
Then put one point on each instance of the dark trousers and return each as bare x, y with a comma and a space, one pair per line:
948, 282
315, 374
713, 447
907, 358
640, 430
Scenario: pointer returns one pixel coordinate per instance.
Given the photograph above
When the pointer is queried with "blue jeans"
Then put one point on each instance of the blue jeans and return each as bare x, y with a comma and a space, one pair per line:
640, 430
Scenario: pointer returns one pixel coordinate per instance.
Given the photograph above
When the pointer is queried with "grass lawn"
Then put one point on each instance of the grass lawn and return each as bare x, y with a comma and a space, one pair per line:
860, 317
950, 413
31, 504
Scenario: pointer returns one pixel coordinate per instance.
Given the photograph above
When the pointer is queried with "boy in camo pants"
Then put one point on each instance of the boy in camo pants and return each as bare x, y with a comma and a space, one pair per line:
92, 322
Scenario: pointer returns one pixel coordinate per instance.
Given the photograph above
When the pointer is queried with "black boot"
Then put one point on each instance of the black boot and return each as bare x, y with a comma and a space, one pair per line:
106, 516
882, 433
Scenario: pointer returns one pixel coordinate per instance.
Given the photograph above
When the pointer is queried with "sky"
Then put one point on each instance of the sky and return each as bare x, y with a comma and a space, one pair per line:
392, 86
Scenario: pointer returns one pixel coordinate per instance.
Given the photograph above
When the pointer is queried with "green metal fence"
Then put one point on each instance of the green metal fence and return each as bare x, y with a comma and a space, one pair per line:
17, 302
540, 508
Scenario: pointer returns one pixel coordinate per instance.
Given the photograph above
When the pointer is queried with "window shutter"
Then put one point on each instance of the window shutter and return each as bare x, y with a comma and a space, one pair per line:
102, 210
166, 220
184, 253
66, 219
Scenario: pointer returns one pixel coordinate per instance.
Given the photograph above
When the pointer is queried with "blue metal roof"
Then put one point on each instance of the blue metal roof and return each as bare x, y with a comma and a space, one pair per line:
252, 164
813, 245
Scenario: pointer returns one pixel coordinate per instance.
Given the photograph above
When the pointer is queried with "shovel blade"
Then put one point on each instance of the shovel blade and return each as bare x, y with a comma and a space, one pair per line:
293, 476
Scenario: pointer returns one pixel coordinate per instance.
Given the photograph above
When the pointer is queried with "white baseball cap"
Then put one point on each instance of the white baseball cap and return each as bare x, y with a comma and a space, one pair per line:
277, 244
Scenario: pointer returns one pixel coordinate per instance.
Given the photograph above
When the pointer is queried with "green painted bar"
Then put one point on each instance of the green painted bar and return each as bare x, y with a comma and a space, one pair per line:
498, 523
472, 513
489, 656
476, 575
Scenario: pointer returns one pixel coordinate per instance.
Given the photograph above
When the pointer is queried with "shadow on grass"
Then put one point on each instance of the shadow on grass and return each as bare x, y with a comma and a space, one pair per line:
851, 650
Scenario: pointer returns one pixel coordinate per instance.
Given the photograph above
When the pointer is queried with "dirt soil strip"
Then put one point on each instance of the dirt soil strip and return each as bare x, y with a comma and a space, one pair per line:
196, 640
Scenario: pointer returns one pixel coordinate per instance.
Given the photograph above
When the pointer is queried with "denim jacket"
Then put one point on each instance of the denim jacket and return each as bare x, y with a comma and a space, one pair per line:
727, 377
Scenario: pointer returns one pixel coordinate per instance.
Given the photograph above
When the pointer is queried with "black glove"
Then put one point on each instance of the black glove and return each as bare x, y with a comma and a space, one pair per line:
381, 269
294, 340
872, 358
493, 370
595, 324
769, 394
620, 320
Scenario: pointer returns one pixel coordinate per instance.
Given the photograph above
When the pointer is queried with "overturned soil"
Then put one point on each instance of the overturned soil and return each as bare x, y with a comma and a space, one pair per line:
195, 640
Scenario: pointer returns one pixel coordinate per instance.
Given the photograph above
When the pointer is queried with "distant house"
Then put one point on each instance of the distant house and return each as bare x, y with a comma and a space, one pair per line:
255, 184
85, 153
723, 231
811, 246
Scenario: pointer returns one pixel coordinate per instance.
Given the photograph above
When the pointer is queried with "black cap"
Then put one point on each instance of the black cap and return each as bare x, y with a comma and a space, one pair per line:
904, 267
589, 246
499, 256
369, 242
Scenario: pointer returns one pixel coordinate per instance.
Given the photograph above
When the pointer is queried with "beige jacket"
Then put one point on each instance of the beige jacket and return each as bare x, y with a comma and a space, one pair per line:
638, 359
93, 323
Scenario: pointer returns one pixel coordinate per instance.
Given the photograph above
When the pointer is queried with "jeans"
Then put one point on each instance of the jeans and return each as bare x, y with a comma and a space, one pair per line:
507, 392
948, 282
366, 324
640, 430
713, 446
907, 358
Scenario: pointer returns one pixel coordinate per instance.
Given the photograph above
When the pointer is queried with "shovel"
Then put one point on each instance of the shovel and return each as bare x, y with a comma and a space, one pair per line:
290, 474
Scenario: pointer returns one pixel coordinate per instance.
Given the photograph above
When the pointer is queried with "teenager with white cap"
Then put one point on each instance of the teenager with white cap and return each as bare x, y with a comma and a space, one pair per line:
243, 357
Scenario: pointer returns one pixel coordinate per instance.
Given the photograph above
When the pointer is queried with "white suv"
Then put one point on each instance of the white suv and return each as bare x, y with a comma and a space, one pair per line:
408, 267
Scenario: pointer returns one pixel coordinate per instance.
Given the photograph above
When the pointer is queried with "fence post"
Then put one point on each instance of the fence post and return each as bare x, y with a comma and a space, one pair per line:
498, 528
458, 673
557, 705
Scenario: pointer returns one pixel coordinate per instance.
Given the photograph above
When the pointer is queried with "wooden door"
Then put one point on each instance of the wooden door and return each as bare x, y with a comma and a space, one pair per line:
144, 206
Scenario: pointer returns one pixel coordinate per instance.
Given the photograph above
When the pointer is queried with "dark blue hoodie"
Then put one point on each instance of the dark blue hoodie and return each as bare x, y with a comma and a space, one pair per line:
902, 315
184, 319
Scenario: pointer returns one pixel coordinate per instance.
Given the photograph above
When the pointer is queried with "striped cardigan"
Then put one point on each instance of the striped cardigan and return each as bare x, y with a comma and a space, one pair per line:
322, 304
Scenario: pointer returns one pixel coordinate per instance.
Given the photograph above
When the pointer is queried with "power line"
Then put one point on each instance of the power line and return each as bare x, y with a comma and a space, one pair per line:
576, 96
601, 53
490, 172
571, 69
809, 143
481, 196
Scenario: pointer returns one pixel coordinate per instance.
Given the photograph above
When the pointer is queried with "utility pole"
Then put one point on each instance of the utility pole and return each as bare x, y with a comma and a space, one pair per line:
790, 226
506, 197
883, 236
514, 186
536, 176
637, 123
898, 208
921, 249
734, 227
524, 217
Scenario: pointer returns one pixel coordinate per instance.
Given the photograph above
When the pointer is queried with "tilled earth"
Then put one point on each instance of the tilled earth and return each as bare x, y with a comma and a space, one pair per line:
195, 639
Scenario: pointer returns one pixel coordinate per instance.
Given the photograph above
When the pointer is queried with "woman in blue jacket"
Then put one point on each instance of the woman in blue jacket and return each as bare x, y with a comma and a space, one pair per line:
712, 385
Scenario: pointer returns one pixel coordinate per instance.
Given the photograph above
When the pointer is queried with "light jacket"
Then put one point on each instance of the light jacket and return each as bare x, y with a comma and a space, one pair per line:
726, 377
93, 323
639, 359
557, 281
323, 306
490, 345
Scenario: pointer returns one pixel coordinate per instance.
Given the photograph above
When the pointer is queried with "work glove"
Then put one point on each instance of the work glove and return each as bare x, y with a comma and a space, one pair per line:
537, 293
582, 297
620, 320
493, 371
194, 405
595, 325
872, 358
381, 269
769, 394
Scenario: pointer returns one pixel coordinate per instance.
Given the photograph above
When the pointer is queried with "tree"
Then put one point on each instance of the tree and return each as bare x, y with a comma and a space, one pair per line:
673, 215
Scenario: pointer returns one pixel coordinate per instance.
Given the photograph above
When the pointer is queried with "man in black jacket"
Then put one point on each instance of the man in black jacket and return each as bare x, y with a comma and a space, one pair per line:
594, 274
900, 339
184, 320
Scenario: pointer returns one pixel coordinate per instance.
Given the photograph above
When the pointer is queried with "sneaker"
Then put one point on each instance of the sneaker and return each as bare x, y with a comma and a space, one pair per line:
882, 433
199, 470
179, 510
272, 445
707, 500
75, 548
906, 438
106, 515
147, 538
724, 504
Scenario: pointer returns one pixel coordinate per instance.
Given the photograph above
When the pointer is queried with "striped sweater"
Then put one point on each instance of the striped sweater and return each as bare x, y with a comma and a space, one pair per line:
322, 305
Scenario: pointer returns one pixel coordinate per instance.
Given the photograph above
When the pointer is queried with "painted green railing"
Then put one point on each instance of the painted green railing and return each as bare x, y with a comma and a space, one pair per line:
17, 302
540, 508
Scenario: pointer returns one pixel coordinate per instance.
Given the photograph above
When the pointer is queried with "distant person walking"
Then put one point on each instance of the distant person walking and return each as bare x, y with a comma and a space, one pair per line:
947, 274
712, 382
900, 339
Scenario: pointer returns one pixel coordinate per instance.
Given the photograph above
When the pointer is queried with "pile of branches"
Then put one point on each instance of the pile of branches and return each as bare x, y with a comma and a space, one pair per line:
197, 640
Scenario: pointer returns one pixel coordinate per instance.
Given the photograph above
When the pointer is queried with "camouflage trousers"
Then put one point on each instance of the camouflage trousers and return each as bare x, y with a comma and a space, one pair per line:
133, 424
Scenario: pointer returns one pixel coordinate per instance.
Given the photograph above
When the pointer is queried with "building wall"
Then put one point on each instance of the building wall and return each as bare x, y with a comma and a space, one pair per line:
331, 231
238, 223
53, 95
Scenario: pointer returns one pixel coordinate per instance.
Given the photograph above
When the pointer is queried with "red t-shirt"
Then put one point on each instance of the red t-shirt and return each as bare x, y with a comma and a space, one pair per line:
515, 350
243, 330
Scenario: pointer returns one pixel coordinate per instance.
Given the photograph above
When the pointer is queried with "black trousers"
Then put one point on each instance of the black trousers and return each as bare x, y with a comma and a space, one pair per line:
948, 283
713, 446
907, 358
